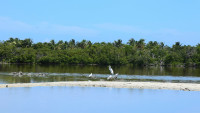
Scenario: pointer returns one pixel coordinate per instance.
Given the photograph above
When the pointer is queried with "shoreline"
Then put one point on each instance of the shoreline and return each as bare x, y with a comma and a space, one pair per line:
150, 65
113, 84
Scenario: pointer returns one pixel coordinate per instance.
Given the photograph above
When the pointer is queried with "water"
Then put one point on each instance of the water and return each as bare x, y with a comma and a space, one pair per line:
97, 100
80, 73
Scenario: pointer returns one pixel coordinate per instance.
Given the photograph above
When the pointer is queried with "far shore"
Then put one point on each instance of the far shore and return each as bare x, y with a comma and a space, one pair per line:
150, 65
113, 84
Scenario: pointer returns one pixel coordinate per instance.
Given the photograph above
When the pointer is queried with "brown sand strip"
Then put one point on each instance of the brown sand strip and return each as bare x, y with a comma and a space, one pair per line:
114, 84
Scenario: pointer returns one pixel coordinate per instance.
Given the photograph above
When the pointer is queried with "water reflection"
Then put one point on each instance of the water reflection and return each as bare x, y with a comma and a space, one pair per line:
80, 73
126, 70
97, 100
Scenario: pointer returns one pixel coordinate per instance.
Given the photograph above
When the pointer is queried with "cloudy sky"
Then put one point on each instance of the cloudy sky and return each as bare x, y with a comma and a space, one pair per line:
103, 20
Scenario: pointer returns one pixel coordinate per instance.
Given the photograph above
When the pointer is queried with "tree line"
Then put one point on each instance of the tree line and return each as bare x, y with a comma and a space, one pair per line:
135, 52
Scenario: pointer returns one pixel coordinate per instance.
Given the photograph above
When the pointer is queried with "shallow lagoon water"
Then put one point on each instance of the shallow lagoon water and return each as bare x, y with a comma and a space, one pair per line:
97, 100
54, 77
80, 73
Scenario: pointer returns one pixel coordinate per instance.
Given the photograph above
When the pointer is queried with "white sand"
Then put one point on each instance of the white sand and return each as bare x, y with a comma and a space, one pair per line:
113, 84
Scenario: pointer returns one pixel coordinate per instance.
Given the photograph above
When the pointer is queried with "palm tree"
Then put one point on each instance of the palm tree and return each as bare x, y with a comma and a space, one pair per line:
140, 44
131, 42
26, 42
118, 43
52, 44
72, 43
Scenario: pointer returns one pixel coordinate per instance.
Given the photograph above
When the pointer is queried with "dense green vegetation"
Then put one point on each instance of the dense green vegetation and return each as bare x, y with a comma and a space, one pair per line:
134, 52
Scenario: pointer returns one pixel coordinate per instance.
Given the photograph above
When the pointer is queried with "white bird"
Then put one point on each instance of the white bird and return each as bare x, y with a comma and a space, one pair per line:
112, 77
115, 77
111, 70
90, 75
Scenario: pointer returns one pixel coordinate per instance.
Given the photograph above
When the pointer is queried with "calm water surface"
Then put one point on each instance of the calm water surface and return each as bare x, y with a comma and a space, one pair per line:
80, 73
97, 100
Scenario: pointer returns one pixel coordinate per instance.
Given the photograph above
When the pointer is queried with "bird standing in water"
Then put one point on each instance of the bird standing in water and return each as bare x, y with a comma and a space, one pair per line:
91, 76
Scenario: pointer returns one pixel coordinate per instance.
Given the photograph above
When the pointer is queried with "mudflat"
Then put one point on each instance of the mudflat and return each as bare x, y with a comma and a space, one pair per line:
113, 84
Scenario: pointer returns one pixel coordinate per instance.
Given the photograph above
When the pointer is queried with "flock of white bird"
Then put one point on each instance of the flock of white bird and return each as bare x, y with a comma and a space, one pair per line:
111, 77
20, 74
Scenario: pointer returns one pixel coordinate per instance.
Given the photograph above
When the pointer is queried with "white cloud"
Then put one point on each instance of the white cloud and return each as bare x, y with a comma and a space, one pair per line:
133, 29
96, 32
9, 25
167, 35
117, 27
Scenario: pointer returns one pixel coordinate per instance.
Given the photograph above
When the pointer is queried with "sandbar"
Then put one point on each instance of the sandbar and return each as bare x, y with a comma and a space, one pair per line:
113, 84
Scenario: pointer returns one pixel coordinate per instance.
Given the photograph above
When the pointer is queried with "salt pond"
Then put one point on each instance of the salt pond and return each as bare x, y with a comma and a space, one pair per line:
97, 100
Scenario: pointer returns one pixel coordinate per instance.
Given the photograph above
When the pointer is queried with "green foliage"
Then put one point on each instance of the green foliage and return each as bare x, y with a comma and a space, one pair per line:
134, 52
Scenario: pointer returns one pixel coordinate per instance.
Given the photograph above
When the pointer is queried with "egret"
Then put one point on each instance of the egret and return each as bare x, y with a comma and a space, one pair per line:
91, 76
115, 77
112, 77
112, 72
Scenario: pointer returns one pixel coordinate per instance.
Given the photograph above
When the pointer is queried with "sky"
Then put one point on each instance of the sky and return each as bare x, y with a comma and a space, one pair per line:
165, 21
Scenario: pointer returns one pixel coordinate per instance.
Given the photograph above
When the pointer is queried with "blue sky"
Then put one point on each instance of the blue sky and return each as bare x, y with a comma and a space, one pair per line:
103, 20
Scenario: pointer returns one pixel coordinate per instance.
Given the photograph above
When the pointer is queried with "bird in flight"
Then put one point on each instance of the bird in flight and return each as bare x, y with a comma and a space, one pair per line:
112, 73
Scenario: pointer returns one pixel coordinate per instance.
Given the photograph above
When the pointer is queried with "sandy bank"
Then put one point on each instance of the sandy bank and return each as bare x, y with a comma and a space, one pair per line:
114, 84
